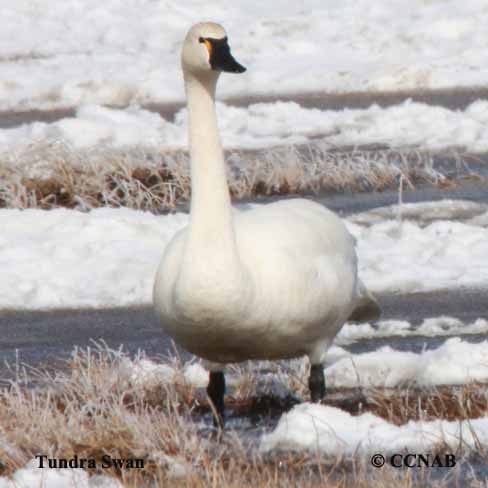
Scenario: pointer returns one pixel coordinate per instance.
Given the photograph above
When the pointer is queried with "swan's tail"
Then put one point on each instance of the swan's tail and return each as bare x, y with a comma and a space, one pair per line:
367, 307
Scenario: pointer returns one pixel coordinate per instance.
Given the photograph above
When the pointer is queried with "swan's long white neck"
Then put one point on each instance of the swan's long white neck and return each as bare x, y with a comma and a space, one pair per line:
211, 234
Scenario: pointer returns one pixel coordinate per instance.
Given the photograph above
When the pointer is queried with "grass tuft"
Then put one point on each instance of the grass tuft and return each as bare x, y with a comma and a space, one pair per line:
56, 175
103, 402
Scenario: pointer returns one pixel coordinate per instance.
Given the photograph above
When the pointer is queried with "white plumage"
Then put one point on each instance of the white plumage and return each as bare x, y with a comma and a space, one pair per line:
275, 281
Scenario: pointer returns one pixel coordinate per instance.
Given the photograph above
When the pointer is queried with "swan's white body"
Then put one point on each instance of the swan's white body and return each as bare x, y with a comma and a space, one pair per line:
276, 281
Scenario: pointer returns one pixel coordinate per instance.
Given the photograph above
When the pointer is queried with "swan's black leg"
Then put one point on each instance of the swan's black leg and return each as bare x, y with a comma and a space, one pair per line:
215, 391
316, 383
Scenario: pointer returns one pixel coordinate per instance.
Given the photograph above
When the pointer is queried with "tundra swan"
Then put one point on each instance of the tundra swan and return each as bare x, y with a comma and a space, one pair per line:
276, 281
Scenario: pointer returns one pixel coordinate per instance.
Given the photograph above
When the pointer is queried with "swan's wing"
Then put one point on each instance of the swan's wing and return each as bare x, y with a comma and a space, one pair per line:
367, 307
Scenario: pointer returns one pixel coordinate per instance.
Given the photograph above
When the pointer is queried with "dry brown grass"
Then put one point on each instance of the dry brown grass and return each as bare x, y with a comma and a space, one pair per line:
93, 407
55, 175
443, 402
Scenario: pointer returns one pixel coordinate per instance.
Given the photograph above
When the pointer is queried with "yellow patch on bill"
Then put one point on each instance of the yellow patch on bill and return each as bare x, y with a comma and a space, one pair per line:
209, 46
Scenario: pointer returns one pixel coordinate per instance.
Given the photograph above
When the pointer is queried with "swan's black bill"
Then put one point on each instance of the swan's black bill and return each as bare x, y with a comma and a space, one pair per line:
220, 57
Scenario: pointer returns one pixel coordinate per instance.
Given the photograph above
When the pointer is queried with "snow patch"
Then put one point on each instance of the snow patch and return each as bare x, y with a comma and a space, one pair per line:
455, 362
405, 257
264, 125
335, 432
430, 327
108, 257
195, 374
121, 52
145, 373
31, 476
62, 258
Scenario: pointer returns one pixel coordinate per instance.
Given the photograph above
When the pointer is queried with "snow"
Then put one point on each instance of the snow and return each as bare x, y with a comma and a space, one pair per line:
335, 432
31, 476
108, 257
100, 481
176, 467
406, 125
58, 53
196, 375
405, 257
67, 53
442, 326
455, 362
145, 373
63, 258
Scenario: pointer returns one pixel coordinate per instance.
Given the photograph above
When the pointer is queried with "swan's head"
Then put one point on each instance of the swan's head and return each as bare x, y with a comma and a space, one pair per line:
206, 50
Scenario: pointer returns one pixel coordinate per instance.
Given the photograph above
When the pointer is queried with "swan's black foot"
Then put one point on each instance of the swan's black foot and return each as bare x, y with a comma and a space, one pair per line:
215, 391
316, 383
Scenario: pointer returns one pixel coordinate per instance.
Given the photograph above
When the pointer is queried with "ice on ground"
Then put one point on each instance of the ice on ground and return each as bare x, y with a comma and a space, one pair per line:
442, 326
65, 52
406, 125
335, 432
455, 362
31, 476
108, 257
